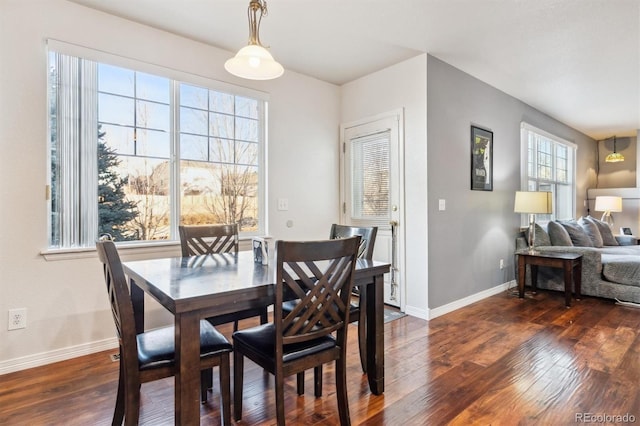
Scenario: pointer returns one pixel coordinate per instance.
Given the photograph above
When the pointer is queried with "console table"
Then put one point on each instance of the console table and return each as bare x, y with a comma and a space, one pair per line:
571, 263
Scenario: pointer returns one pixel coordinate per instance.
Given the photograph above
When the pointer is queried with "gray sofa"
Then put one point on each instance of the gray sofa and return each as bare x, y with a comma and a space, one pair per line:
610, 264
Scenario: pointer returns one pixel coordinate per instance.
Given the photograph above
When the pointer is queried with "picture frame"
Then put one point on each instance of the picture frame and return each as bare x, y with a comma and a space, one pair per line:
481, 159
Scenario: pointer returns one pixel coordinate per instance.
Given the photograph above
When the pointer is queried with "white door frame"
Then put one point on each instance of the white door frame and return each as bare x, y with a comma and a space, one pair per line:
399, 216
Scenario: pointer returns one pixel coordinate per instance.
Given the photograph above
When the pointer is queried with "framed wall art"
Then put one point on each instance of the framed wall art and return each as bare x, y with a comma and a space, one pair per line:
481, 159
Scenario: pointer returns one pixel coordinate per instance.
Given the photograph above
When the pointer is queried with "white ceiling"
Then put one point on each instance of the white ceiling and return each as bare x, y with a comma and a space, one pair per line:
576, 60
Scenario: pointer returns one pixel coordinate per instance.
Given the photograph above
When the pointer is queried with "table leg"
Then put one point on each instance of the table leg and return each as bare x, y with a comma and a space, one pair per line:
522, 274
137, 299
187, 380
375, 334
534, 278
577, 279
568, 282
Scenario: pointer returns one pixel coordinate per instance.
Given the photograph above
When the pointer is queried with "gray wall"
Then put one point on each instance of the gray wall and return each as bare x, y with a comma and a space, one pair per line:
617, 175
477, 229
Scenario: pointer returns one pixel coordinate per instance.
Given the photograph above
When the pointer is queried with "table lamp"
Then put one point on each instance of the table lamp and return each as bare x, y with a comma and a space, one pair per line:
532, 203
608, 204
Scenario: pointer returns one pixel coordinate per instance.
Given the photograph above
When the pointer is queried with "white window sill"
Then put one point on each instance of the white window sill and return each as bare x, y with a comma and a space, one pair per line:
130, 251
126, 251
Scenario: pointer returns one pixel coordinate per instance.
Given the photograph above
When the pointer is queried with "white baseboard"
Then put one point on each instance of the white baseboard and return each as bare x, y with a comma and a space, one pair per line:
63, 354
44, 358
416, 312
450, 307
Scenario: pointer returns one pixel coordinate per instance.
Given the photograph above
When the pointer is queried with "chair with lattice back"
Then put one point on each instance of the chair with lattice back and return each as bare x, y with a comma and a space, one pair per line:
150, 355
196, 240
365, 251
320, 274
357, 312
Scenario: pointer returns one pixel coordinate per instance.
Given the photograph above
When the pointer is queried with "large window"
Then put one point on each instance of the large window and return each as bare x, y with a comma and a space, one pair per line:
135, 154
549, 165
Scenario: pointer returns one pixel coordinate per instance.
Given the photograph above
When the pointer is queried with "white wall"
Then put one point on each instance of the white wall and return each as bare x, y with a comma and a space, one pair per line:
66, 300
403, 85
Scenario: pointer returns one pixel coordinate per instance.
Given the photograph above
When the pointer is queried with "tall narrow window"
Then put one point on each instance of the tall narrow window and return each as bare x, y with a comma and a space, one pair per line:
135, 154
549, 165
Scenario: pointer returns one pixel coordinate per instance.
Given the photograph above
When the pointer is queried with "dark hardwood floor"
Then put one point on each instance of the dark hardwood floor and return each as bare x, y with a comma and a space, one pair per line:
501, 361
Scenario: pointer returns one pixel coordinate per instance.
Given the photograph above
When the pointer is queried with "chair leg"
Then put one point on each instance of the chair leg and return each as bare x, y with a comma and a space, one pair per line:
264, 317
317, 381
238, 371
235, 325
341, 391
118, 412
300, 382
362, 329
205, 379
132, 404
225, 389
280, 399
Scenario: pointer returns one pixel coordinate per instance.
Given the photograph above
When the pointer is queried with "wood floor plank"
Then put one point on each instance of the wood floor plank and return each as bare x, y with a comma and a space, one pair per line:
500, 361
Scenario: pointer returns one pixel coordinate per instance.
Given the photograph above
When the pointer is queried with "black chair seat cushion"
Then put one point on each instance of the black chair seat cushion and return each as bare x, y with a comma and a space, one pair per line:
262, 339
156, 348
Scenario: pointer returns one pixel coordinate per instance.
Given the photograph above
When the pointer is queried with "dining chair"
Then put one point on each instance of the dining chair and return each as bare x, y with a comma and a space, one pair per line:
365, 251
320, 274
198, 240
150, 355
356, 312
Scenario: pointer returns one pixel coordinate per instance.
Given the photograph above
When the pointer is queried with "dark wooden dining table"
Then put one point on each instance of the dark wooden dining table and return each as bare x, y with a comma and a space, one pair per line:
192, 288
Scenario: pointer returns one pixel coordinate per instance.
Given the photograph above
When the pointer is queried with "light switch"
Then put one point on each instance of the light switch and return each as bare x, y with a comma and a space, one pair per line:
283, 204
442, 204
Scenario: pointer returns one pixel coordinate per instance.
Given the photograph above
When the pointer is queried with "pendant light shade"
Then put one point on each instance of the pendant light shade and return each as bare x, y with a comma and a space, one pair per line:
254, 62
614, 157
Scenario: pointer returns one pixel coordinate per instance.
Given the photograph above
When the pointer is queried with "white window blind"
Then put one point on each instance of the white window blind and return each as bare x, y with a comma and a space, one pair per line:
370, 177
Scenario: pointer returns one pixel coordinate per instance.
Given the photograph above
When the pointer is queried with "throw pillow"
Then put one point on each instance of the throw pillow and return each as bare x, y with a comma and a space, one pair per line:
542, 238
579, 238
558, 235
607, 236
592, 231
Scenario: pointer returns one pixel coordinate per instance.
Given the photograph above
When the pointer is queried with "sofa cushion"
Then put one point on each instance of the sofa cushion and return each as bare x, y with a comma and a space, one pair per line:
579, 238
605, 231
542, 238
591, 229
621, 269
558, 234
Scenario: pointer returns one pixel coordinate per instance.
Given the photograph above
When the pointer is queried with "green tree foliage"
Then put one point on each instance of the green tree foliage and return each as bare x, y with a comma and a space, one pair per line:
114, 211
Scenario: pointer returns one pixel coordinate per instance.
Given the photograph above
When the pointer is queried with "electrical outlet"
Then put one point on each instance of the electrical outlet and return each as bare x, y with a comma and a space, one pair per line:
17, 318
283, 204
501, 263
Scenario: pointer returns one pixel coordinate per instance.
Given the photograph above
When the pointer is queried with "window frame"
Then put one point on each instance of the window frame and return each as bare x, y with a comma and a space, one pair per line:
176, 77
525, 130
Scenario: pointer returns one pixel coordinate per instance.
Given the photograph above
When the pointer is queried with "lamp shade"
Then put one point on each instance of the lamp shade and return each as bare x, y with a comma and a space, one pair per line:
608, 204
614, 157
255, 63
533, 202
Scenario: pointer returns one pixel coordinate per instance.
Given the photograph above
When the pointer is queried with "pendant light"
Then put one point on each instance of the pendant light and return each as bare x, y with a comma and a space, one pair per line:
254, 62
614, 157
